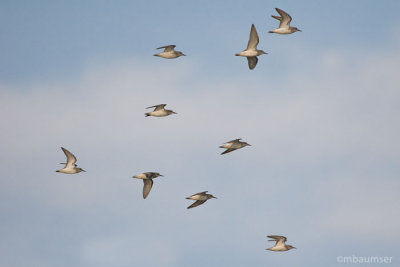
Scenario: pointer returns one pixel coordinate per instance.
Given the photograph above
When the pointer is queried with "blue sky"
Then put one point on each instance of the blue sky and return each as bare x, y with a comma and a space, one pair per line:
320, 111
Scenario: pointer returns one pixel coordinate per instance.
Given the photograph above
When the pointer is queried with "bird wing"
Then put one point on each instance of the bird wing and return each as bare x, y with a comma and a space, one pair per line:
253, 40
232, 141
167, 48
201, 193
228, 150
196, 203
148, 184
252, 62
286, 18
158, 107
280, 240
276, 17
71, 160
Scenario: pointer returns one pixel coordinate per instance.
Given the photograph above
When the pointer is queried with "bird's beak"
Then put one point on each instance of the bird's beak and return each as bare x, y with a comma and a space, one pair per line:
248, 144
236, 54
174, 112
298, 30
83, 170
294, 247
161, 175
155, 55
183, 55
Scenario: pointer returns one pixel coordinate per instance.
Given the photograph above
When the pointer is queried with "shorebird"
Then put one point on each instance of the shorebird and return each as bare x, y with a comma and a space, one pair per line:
169, 52
284, 26
159, 111
251, 51
233, 145
70, 166
147, 178
200, 198
280, 243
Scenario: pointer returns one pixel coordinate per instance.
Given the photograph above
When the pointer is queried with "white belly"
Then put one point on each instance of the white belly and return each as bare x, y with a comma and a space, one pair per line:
69, 171
282, 31
280, 248
197, 197
140, 176
167, 55
159, 113
248, 53
226, 145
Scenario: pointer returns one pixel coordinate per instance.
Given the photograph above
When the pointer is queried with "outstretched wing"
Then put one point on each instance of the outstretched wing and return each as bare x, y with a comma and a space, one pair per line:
228, 150
158, 107
71, 160
253, 40
201, 193
252, 62
285, 18
276, 17
167, 48
233, 141
148, 184
197, 203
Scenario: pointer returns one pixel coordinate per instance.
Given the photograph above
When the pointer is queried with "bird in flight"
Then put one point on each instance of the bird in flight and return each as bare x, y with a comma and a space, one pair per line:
200, 199
147, 178
159, 111
280, 243
251, 51
284, 26
169, 52
70, 166
233, 145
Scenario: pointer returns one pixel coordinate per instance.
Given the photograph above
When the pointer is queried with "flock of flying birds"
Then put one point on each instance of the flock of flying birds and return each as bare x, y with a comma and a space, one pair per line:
251, 53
